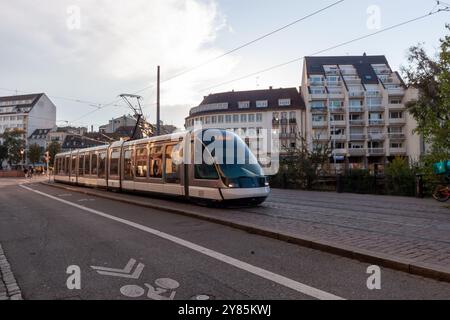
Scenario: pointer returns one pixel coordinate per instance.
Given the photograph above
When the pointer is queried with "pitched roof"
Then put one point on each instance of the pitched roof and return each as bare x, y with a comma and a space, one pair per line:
271, 95
362, 64
39, 132
34, 98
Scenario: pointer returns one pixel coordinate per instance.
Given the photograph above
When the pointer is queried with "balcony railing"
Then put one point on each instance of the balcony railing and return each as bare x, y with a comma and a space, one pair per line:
396, 91
376, 122
322, 137
377, 151
396, 106
319, 109
357, 136
398, 136
397, 151
319, 124
338, 123
377, 107
357, 151
357, 122
356, 109
339, 152
339, 137
337, 109
377, 136
356, 94
316, 82
319, 95
397, 120
372, 94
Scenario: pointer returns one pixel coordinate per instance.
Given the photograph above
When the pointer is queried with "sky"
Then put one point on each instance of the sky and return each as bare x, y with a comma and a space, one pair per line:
93, 51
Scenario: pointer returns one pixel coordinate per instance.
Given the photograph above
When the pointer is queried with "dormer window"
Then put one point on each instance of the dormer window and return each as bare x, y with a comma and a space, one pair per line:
284, 102
262, 104
244, 104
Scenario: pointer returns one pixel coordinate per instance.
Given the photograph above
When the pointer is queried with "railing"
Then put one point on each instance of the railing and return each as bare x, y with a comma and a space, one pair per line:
322, 137
319, 109
377, 151
339, 123
357, 122
376, 122
396, 106
356, 109
318, 124
397, 136
339, 152
339, 137
355, 94
396, 91
357, 151
337, 109
376, 107
357, 137
397, 150
397, 120
372, 94
377, 136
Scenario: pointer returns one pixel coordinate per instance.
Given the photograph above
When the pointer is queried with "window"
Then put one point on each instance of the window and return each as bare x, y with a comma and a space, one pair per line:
102, 165
251, 118
317, 104
262, 104
284, 102
87, 164
156, 168
73, 170
172, 169
214, 119
396, 145
207, 120
228, 118
80, 166
206, 171
318, 118
259, 117
336, 103
128, 165
243, 118
220, 119
284, 115
396, 115
94, 170
141, 162
318, 90
338, 131
235, 118
395, 101
114, 163
337, 117
292, 115
244, 104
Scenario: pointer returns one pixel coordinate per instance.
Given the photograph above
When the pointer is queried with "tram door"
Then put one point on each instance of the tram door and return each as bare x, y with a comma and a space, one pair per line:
172, 169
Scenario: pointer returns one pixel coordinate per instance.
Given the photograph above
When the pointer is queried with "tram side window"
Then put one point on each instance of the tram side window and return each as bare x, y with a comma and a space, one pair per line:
87, 164
94, 170
102, 165
206, 171
128, 165
141, 162
73, 170
66, 166
80, 165
172, 169
156, 162
57, 166
114, 163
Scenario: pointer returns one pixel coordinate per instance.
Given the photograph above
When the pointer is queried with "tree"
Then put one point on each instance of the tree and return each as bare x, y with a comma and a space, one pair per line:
3, 155
431, 110
15, 145
34, 153
53, 149
302, 165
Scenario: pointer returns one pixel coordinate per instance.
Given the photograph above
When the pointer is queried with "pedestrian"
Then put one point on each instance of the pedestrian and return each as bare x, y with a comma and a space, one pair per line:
25, 171
31, 172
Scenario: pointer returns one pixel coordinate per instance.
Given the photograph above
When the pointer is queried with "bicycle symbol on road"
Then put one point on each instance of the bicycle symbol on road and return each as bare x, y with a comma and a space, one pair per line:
164, 290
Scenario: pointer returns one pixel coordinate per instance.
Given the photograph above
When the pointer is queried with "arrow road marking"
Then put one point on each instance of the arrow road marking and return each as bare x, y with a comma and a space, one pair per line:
122, 273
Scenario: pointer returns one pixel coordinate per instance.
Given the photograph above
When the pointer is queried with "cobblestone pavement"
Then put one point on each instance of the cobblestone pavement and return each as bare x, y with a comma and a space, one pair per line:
9, 290
417, 230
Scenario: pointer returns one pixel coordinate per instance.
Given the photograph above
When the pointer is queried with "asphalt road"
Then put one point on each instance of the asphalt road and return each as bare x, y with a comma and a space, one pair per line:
44, 230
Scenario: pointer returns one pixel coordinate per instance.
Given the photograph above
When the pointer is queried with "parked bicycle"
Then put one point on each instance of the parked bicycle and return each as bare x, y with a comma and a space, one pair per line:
442, 192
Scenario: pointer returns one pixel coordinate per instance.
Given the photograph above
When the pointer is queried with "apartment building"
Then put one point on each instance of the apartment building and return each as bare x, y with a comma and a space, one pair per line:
116, 123
27, 112
248, 112
357, 103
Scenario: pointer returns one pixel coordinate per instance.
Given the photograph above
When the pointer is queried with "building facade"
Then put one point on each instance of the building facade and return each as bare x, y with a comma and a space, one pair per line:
247, 113
114, 124
27, 113
358, 104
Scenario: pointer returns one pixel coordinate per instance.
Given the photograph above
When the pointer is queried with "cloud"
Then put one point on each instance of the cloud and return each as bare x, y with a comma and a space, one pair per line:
116, 49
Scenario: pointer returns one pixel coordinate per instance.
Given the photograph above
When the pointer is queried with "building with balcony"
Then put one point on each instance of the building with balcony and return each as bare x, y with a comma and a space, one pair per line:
358, 103
249, 112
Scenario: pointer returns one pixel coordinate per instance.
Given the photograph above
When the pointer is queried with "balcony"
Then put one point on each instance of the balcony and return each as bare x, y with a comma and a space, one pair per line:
396, 91
319, 109
321, 137
352, 81
339, 152
358, 122
397, 121
315, 82
356, 109
336, 94
377, 152
355, 152
334, 83
377, 136
337, 109
396, 106
318, 95
373, 94
319, 124
376, 122
338, 137
357, 137
338, 123
397, 136
397, 151
356, 94
376, 108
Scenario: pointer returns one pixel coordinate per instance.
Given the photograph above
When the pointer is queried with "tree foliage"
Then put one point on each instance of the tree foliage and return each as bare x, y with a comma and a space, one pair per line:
15, 145
3, 155
432, 109
34, 153
53, 149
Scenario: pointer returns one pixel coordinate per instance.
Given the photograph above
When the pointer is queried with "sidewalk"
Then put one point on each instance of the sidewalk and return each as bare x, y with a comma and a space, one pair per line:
408, 234
9, 290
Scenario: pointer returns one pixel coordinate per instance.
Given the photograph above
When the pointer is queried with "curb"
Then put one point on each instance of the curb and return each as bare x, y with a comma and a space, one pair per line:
416, 268
12, 288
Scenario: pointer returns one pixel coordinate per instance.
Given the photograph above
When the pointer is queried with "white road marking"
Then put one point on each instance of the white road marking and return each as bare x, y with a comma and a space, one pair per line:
284, 281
